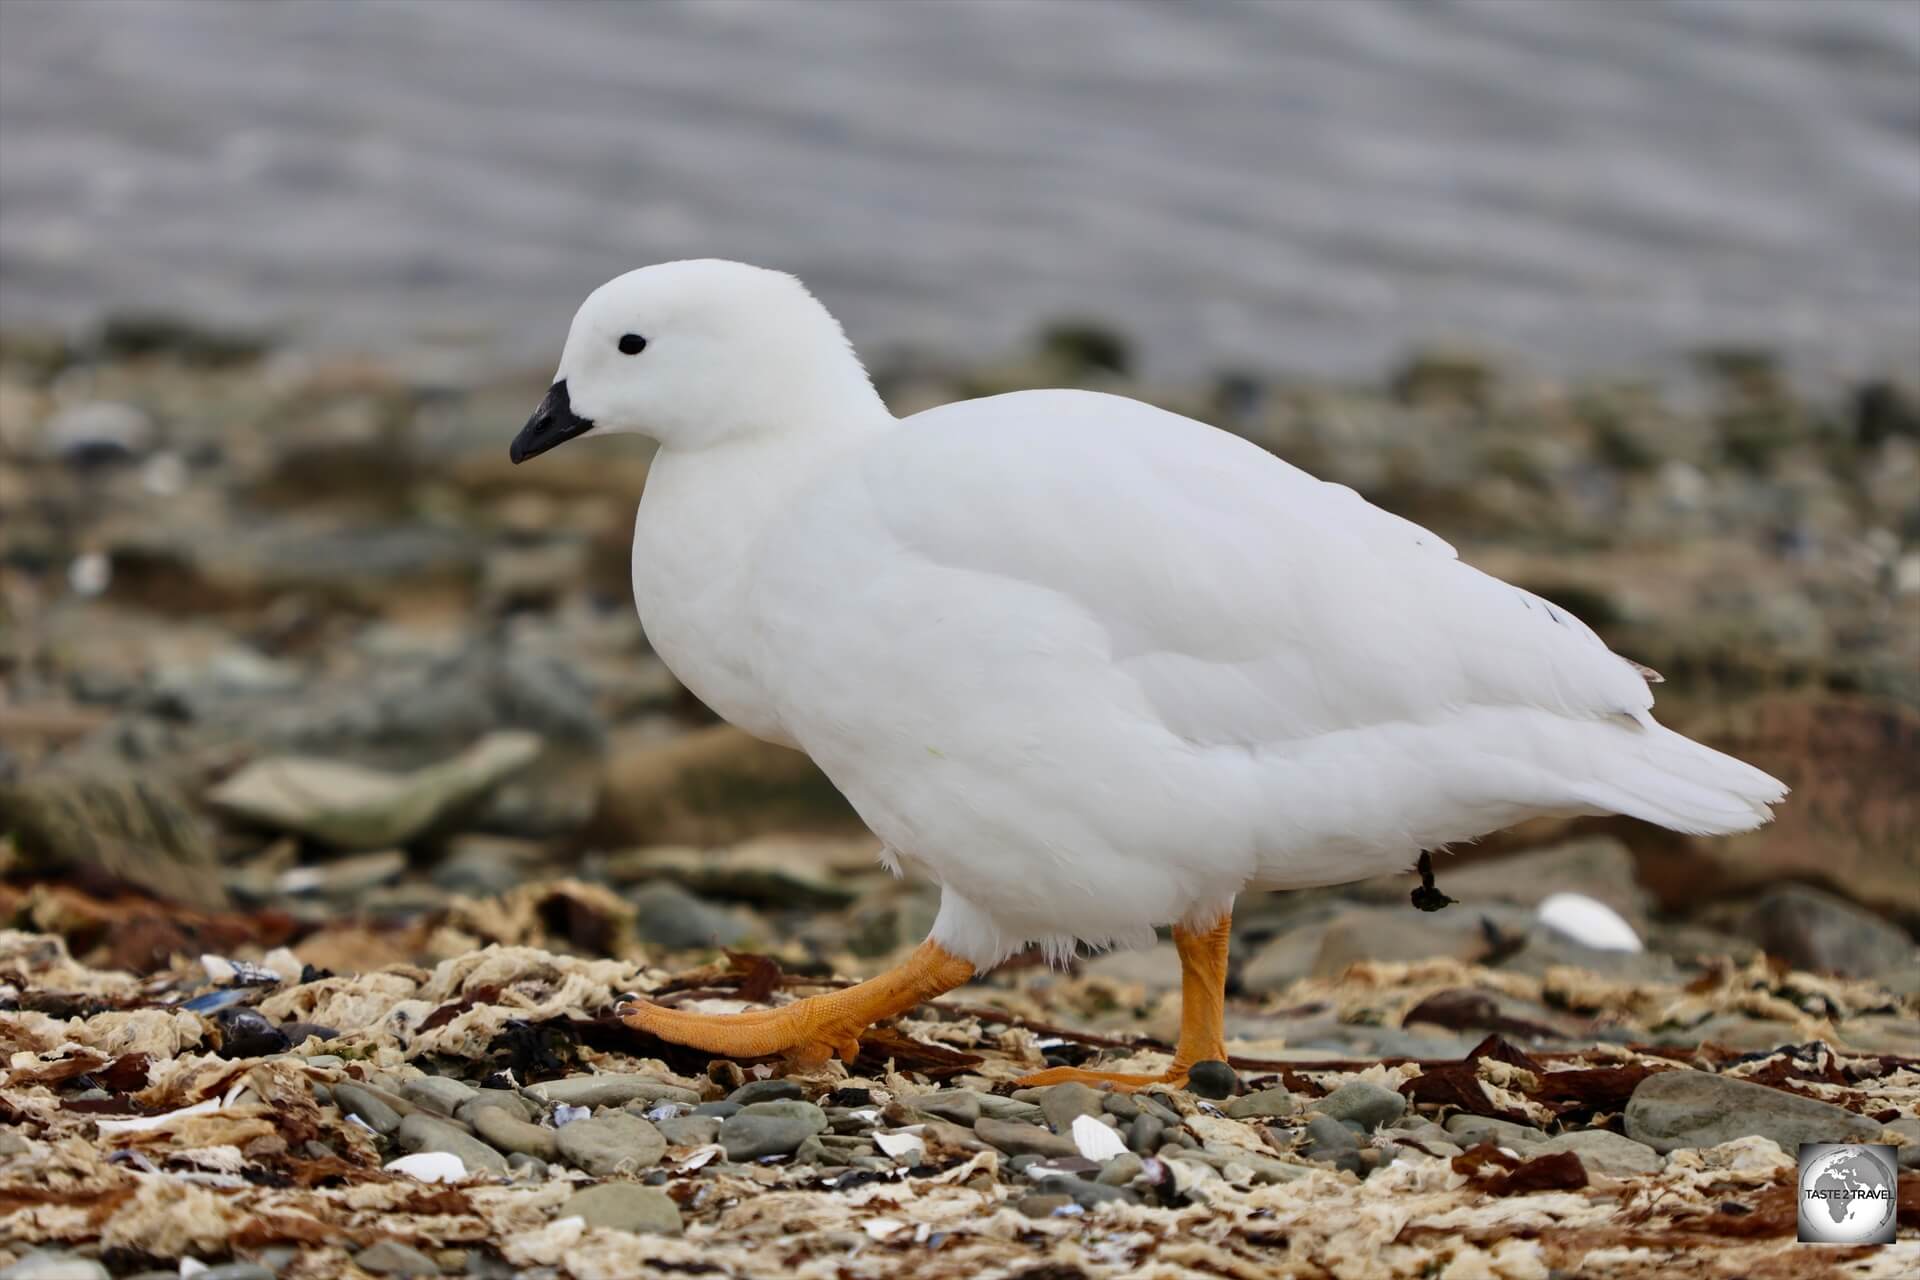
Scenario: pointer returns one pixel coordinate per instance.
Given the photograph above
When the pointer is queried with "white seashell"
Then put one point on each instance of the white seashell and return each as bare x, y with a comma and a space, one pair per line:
1095, 1140
1589, 922
430, 1166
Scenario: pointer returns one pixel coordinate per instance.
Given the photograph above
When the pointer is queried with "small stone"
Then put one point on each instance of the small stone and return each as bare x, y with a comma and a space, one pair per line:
1121, 1106
689, 1131
437, 1094
505, 1099
1212, 1079
1025, 1139
961, 1106
422, 1132
47, 1264
1471, 1131
770, 1128
1603, 1151
1012, 1110
670, 918
1265, 1103
626, 1206
1676, 1109
527, 1168
1157, 1108
1810, 929
611, 1143
356, 1101
506, 1131
718, 1110
1328, 1138
1035, 1206
243, 1271
1062, 1103
1145, 1133
611, 1090
1086, 1194
765, 1091
391, 1258
1121, 1170
1368, 1104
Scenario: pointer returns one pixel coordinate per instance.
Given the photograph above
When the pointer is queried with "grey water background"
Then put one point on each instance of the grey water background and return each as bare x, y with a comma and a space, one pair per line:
1316, 185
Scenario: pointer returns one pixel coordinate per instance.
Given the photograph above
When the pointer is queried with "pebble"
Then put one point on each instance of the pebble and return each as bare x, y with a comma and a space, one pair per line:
770, 1128
614, 1142
765, 1091
611, 1090
1212, 1079
354, 1100
504, 1099
719, 1110
1061, 1104
437, 1094
1145, 1134
244, 1271
1676, 1109
1012, 1110
1267, 1102
689, 1131
1327, 1139
961, 1106
1084, 1193
1036, 1206
1604, 1151
391, 1258
1121, 1170
422, 1132
626, 1206
49, 1265
1025, 1139
1473, 1130
1156, 1108
506, 1131
1367, 1104
1121, 1106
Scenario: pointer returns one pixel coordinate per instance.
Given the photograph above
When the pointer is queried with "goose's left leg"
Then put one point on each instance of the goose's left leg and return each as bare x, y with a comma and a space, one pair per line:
808, 1032
1203, 1013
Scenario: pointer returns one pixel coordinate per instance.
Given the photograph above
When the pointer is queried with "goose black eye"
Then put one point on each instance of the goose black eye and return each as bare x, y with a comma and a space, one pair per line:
632, 344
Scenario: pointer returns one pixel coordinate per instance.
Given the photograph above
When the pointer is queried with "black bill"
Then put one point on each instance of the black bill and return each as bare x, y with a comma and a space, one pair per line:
553, 423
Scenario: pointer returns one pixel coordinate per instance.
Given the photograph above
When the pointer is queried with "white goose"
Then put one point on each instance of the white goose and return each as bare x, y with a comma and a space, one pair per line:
1091, 666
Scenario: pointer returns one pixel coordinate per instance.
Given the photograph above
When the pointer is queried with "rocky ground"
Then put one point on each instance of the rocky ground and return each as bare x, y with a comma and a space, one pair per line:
341, 802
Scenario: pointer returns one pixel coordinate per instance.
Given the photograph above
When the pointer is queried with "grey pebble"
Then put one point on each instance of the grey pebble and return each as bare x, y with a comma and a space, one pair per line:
1025, 1139
689, 1131
357, 1101
770, 1128
506, 1131
1157, 1108
47, 1264
1473, 1130
1145, 1134
391, 1258
961, 1106
611, 1090
1084, 1193
609, 1143
719, 1110
765, 1091
1603, 1151
1265, 1103
1367, 1104
1327, 1138
1121, 1105
505, 1099
1121, 1170
1062, 1104
437, 1094
1676, 1109
422, 1132
626, 1206
1212, 1079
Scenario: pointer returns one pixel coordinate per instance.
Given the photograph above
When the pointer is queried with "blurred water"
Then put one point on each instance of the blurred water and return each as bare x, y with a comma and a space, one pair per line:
1308, 185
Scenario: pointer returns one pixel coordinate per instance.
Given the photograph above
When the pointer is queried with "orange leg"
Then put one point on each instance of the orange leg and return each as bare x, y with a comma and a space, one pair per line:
1203, 1012
810, 1031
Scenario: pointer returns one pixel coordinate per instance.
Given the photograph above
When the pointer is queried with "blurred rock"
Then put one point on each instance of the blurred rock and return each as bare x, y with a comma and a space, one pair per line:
1813, 930
355, 808
668, 917
98, 432
711, 786
113, 827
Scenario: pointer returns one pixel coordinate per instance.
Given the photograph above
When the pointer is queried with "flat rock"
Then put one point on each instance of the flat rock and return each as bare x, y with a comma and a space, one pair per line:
506, 1131
1819, 931
689, 1131
668, 916
625, 1206
770, 1128
1025, 1139
611, 1143
1367, 1104
391, 1258
1604, 1151
422, 1132
354, 1100
1061, 1104
1471, 1130
437, 1094
960, 1106
611, 1090
1676, 1109
1263, 1103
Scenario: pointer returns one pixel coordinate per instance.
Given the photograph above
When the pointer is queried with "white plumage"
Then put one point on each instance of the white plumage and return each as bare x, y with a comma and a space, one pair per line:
1091, 666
